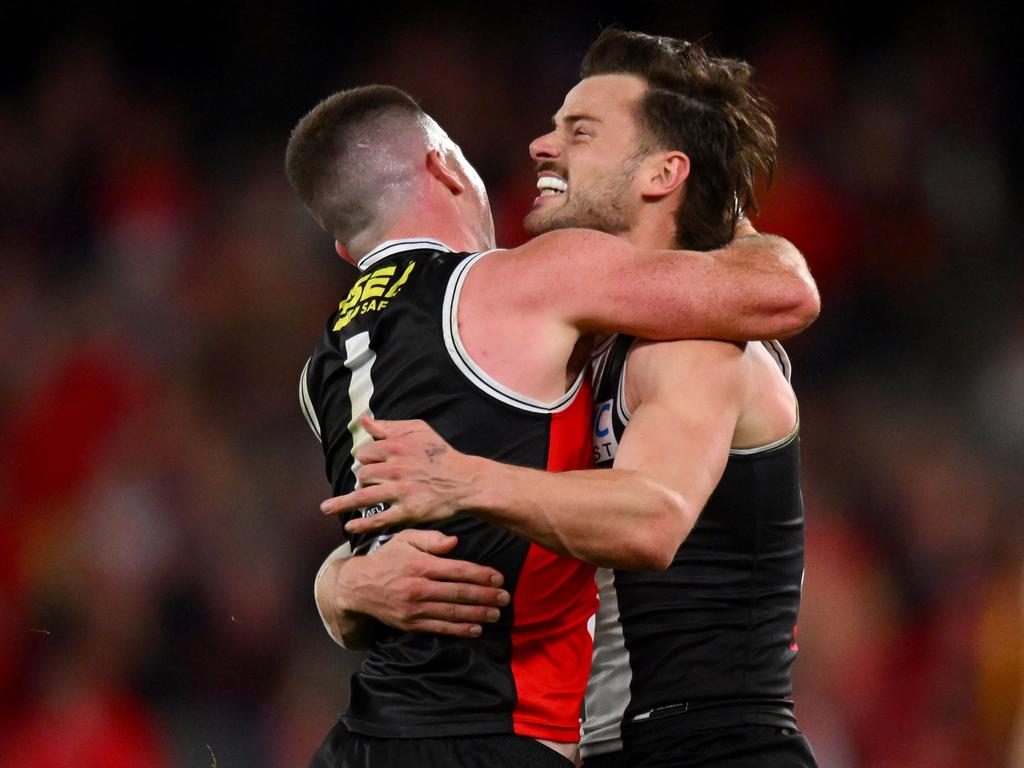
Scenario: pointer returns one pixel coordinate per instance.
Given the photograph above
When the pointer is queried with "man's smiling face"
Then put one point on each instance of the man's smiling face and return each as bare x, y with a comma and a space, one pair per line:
586, 164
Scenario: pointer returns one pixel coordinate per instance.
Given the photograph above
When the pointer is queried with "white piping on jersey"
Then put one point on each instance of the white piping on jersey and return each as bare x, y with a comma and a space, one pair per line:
474, 372
780, 355
306, 402
391, 247
611, 674
769, 446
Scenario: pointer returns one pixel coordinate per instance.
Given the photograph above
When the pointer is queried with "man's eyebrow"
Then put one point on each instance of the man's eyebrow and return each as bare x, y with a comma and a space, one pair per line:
574, 118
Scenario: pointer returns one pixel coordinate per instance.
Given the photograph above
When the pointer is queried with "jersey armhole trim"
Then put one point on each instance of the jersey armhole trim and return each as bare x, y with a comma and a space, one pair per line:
306, 402
620, 394
781, 358
775, 444
469, 368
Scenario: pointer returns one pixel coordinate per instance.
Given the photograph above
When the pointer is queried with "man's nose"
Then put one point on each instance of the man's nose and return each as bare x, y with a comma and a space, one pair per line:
544, 147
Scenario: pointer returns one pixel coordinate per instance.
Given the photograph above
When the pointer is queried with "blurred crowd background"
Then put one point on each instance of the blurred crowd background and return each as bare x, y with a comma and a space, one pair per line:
161, 288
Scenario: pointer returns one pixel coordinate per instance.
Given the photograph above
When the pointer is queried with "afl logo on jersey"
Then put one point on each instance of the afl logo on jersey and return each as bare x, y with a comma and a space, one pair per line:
605, 444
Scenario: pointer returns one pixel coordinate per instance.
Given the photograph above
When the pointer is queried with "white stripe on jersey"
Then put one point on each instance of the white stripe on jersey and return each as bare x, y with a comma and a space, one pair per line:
360, 361
610, 674
360, 389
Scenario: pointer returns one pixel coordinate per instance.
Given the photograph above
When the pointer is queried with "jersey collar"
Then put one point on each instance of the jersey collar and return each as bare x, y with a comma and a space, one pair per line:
391, 247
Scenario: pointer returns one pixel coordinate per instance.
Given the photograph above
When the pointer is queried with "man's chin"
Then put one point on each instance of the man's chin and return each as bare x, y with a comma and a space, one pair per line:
537, 222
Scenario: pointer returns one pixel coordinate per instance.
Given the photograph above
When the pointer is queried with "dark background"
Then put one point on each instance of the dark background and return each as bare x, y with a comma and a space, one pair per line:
160, 289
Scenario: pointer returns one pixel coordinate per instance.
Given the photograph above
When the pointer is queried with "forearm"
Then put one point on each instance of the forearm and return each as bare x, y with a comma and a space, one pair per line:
611, 518
767, 290
757, 287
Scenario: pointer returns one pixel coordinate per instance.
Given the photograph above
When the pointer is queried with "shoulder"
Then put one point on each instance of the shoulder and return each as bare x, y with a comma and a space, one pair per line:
654, 356
656, 369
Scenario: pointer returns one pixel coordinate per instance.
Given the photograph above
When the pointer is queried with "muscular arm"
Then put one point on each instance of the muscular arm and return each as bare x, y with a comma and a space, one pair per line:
758, 287
632, 516
594, 515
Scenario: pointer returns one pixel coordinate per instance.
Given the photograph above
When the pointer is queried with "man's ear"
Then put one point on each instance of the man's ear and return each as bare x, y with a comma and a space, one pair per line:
440, 170
343, 252
664, 173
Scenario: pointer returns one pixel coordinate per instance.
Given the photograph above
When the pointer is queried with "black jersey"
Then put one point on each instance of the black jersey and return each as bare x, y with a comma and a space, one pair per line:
710, 641
392, 350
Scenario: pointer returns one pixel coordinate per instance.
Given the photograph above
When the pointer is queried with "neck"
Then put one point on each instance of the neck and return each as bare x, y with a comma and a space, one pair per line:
654, 229
440, 220
455, 235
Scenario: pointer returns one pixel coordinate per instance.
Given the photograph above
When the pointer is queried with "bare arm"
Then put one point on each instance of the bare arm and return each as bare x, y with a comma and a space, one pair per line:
758, 287
407, 584
633, 516
575, 513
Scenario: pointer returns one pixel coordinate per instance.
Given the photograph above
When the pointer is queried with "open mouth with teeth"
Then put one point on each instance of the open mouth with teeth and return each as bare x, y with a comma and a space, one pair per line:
550, 185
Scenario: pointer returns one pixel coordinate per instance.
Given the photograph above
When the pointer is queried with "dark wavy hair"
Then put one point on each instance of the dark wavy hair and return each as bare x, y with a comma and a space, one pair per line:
704, 106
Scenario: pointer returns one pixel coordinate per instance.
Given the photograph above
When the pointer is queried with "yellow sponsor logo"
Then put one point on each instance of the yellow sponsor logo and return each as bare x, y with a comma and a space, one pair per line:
371, 293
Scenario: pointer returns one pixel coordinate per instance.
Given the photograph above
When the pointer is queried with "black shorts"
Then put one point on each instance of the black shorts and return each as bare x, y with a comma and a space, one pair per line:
344, 749
739, 746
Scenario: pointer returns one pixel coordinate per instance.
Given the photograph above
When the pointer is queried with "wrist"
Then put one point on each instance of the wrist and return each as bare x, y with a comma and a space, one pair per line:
325, 589
343, 591
481, 480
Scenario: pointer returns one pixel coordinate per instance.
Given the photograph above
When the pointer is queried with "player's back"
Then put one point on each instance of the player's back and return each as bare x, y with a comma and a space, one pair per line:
393, 351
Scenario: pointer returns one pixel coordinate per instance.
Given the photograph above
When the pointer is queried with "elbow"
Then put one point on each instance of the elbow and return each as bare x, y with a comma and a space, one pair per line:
678, 520
802, 308
652, 556
798, 302
809, 303
655, 548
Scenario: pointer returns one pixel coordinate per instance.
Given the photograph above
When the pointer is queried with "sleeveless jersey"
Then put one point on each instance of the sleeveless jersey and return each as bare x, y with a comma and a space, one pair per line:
710, 641
393, 351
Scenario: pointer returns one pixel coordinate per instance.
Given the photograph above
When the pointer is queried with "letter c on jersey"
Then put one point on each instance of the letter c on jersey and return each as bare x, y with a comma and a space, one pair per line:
603, 419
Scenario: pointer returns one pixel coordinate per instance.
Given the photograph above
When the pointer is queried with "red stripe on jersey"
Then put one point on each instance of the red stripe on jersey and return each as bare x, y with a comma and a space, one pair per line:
571, 443
554, 599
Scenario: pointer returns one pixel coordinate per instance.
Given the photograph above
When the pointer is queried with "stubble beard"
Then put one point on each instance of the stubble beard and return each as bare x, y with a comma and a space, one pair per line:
606, 207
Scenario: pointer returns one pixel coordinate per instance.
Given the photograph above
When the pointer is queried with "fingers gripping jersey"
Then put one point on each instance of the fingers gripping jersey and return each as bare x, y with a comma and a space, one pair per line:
392, 350
710, 641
